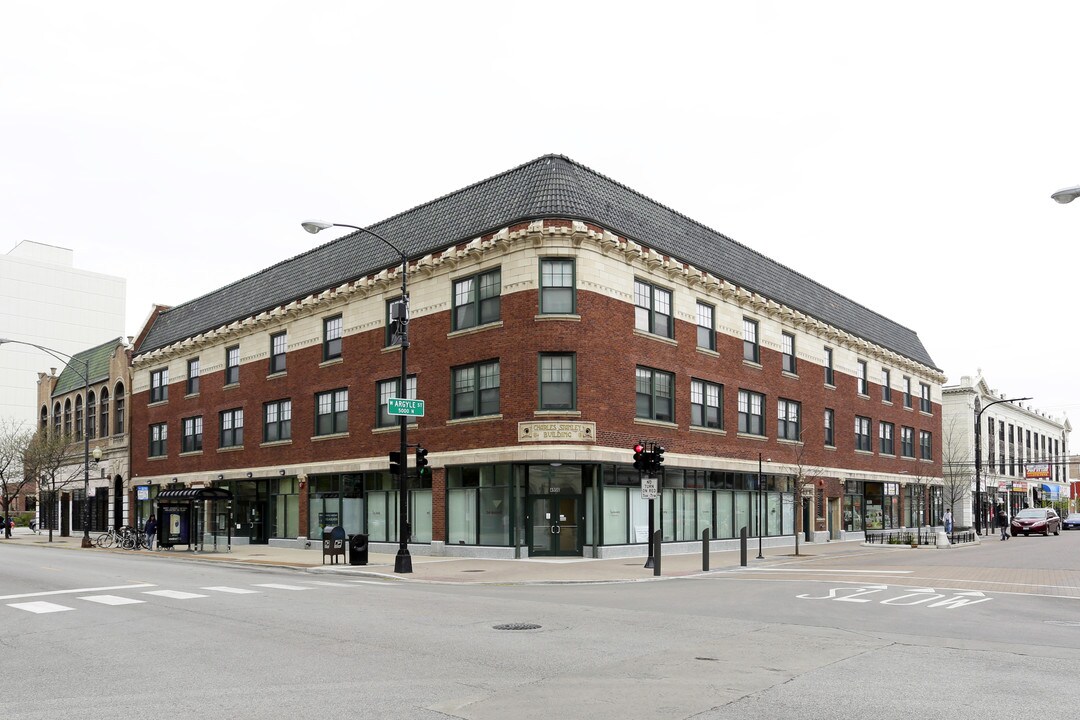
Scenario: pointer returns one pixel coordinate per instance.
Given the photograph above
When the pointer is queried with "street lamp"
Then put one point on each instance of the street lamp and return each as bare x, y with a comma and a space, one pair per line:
1066, 195
399, 312
85, 375
978, 447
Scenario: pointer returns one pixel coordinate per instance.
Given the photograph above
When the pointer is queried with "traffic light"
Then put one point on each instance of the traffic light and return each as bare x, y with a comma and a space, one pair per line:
395, 463
657, 458
640, 462
421, 461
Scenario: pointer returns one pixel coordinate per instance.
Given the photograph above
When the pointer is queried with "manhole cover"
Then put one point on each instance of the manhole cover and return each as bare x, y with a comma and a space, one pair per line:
517, 626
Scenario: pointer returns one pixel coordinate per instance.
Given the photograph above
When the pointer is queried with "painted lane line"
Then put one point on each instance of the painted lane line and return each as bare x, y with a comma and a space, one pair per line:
852, 572
78, 590
40, 607
282, 586
372, 582
174, 594
235, 591
111, 599
325, 583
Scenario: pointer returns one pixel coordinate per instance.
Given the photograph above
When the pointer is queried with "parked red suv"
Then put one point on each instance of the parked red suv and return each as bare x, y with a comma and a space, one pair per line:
1036, 520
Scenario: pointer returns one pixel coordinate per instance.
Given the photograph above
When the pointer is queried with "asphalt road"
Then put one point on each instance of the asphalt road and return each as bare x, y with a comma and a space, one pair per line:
879, 634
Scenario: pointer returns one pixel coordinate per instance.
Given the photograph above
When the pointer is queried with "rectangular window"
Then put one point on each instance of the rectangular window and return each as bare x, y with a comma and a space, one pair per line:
557, 294
787, 349
706, 326
926, 451
331, 346
193, 376
159, 435
860, 377
862, 433
652, 309
886, 389
389, 389
830, 427
787, 420
907, 442
706, 404
924, 398
655, 394
477, 299
557, 382
907, 392
830, 378
232, 428
886, 432
232, 365
332, 412
751, 349
278, 341
192, 440
159, 385
751, 413
277, 421
476, 390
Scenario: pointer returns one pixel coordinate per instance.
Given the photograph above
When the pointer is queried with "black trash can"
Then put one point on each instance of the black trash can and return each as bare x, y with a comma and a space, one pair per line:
358, 549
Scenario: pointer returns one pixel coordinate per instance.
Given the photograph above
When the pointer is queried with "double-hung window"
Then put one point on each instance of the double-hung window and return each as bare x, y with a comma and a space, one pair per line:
557, 381
862, 433
159, 385
751, 413
192, 440
232, 428
159, 436
655, 390
389, 389
924, 398
652, 309
332, 412
706, 404
277, 421
886, 388
193, 376
331, 345
476, 390
477, 299
926, 451
787, 420
830, 427
907, 442
907, 392
860, 378
830, 377
232, 365
787, 350
557, 294
751, 348
278, 343
706, 326
886, 432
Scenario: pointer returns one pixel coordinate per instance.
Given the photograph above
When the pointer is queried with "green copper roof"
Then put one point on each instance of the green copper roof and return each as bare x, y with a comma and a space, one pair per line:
97, 358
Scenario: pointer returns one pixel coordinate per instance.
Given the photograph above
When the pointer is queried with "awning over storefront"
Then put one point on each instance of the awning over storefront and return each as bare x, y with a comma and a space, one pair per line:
210, 493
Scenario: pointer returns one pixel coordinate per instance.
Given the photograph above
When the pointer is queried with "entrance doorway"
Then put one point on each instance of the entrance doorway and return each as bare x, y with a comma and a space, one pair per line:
554, 526
251, 503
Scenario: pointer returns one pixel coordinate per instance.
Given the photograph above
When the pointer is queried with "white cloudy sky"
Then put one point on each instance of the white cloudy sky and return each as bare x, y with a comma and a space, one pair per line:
902, 154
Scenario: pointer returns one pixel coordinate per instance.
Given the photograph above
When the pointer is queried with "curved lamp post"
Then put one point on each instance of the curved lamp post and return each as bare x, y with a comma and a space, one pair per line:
85, 375
978, 451
1066, 195
403, 561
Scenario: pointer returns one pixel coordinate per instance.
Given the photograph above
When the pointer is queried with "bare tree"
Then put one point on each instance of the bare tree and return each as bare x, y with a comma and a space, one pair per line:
957, 465
51, 458
14, 440
805, 476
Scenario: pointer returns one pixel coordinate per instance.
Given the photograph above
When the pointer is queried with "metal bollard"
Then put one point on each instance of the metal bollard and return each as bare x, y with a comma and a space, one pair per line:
656, 553
742, 546
705, 550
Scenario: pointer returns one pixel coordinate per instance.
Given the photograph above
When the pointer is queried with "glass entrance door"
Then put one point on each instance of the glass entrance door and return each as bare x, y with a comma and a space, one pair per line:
554, 525
251, 501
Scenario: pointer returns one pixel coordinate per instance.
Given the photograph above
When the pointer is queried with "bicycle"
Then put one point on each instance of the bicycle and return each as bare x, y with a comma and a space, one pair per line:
112, 538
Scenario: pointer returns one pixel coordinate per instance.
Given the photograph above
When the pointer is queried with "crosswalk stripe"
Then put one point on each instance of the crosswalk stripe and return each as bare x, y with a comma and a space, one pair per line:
174, 594
111, 599
40, 607
235, 591
327, 583
282, 586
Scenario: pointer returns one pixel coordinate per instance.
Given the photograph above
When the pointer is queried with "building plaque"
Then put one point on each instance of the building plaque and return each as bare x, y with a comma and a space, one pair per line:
540, 431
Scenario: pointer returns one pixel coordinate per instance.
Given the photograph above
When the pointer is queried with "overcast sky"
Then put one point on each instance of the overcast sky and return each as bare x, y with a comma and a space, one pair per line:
901, 154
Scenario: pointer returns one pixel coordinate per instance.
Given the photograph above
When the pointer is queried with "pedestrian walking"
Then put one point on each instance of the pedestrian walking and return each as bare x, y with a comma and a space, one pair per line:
948, 522
151, 531
1003, 522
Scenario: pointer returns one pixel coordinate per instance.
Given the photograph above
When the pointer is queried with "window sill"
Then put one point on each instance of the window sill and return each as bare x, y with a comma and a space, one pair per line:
829, 386
656, 423
707, 351
331, 436
391, 348
157, 458
231, 386
751, 363
230, 448
556, 413
793, 443
158, 403
862, 396
749, 436
654, 336
924, 413
475, 329
789, 374
276, 443
830, 447
886, 402
708, 430
332, 361
477, 419
280, 373
864, 452
189, 396
567, 317
191, 453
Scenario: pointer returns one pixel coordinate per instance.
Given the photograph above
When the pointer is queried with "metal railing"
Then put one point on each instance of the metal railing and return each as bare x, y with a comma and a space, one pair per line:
920, 536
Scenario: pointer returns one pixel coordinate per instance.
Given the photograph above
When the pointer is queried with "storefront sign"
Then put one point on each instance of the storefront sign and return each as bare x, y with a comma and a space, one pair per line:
539, 431
1037, 471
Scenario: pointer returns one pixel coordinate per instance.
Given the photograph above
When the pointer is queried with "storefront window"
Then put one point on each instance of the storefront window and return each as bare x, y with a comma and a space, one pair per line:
478, 504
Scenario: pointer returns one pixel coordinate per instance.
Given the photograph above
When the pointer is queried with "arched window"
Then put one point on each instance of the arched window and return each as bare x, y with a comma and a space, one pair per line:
56, 418
67, 418
44, 417
118, 401
91, 415
104, 423
79, 418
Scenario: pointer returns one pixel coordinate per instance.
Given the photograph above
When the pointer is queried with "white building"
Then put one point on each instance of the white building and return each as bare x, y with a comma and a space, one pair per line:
46, 300
1023, 453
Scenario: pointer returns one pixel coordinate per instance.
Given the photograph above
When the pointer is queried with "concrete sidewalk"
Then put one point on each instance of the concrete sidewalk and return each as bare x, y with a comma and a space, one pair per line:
457, 570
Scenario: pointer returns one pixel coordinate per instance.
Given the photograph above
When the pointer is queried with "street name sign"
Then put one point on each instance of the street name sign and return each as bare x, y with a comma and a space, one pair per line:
404, 406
